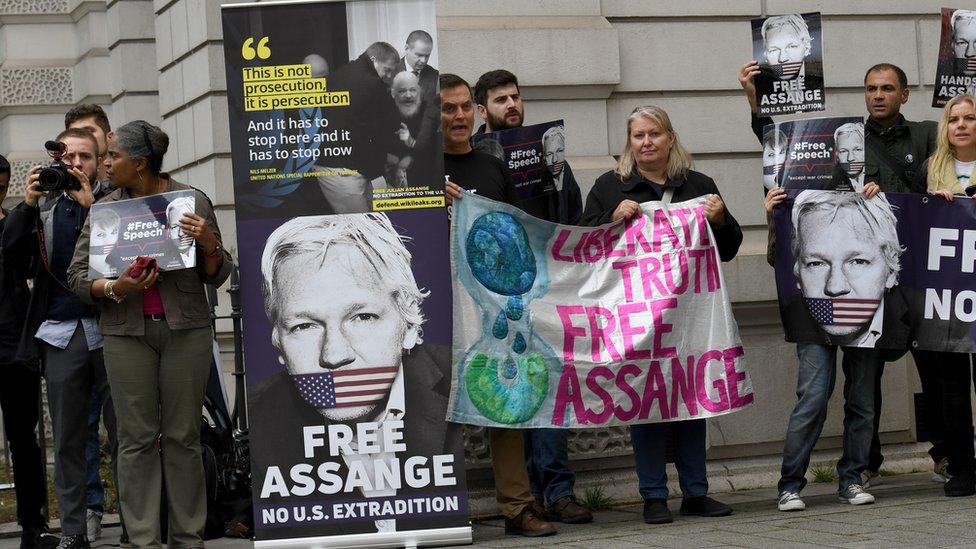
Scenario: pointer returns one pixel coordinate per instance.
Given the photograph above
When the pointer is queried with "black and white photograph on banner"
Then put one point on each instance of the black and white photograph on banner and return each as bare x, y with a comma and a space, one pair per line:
858, 272
148, 227
535, 155
355, 378
814, 153
335, 122
789, 49
956, 72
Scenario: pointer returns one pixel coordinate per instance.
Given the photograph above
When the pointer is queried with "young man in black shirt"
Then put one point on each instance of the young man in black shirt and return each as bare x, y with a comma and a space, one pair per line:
487, 176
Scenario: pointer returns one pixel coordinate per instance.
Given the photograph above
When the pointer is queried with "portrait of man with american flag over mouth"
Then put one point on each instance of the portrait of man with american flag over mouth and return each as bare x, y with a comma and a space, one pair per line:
847, 260
346, 316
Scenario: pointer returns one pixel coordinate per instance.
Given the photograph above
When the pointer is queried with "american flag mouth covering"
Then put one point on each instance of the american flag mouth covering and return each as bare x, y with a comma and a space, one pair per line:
346, 388
840, 311
787, 71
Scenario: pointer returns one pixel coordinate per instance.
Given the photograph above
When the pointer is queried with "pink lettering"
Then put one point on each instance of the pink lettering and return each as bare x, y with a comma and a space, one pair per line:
734, 377
556, 250
570, 331
602, 333
655, 389
683, 384
704, 399
624, 385
661, 229
628, 332
568, 393
660, 327
624, 267
593, 383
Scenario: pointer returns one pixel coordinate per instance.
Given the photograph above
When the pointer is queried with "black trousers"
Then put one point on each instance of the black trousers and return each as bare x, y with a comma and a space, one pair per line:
20, 389
947, 412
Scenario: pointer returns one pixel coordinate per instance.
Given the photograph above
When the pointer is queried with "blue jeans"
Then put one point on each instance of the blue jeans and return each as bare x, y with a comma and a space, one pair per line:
814, 385
547, 460
650, 449
94, 492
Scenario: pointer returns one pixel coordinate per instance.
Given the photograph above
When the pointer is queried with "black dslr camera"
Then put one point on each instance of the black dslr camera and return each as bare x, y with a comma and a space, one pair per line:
57, 177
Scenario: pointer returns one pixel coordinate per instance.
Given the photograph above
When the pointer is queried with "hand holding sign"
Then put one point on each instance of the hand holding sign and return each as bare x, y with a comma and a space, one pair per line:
195, 226
127, 284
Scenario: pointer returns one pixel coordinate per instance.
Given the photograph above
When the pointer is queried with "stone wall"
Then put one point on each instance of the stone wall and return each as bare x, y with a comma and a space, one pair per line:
587, 61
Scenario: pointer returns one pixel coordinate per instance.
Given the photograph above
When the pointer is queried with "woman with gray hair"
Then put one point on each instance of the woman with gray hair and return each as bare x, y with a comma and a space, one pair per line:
157, 350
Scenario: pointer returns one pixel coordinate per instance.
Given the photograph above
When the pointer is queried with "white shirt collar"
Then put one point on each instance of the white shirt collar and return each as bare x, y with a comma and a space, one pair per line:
871, 337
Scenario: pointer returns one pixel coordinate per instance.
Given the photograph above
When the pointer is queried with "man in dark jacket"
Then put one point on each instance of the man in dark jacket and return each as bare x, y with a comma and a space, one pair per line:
61, 330
499, 102
894, 151
20, 394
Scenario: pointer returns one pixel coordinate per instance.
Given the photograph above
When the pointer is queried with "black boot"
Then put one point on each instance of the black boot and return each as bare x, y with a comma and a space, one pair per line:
963, 483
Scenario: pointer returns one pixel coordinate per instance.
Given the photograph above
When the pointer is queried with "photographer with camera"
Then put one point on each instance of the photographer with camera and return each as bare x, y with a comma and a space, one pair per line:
61, 329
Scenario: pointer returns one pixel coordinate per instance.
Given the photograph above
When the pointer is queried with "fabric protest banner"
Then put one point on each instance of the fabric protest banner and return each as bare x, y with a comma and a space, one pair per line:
347, 309
149, 226
535, 155
815, 153
563, 326
789, 49
892, 272
956, 73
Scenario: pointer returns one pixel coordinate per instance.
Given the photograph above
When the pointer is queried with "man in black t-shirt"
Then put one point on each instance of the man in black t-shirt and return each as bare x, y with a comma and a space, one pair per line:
486, 175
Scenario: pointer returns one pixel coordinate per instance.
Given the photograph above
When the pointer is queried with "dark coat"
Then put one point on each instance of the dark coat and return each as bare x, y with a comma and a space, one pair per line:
279, 413
429, 79
609, 191
371, 118
14, 300
26, 227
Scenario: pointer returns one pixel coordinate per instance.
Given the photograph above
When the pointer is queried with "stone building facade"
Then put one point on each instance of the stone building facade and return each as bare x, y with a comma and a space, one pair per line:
587, 61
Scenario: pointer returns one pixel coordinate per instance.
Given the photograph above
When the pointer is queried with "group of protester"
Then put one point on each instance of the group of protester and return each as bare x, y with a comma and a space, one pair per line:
901, 156
136, 349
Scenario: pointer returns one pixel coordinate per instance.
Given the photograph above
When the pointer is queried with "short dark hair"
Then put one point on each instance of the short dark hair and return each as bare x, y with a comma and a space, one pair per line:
491, 80
88, 110
902, 77
4, 165
420, 35
80, 133
448, 81
381, 51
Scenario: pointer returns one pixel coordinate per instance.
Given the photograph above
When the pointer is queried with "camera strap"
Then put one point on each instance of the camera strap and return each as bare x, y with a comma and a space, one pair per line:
44, 260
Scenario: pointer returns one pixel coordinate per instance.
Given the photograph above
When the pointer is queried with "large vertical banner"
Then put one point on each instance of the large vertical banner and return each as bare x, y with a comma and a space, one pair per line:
789, 49
956, 73
345, 273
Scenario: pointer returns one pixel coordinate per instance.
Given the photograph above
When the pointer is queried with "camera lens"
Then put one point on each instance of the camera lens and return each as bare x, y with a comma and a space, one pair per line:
51, 179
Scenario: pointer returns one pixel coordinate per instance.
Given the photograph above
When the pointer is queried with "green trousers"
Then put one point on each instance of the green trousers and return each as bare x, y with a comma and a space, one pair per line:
157, 383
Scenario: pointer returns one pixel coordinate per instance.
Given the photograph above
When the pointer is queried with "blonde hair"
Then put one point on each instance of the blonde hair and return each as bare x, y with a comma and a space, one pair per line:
942, 164
679, 159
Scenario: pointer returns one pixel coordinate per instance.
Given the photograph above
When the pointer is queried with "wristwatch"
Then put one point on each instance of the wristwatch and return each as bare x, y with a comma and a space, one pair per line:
110, 293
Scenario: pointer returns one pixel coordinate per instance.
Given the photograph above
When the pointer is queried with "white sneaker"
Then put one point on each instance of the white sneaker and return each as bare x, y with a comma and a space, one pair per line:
870, 477
855, 495
93, 522
790, 501
940, 472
